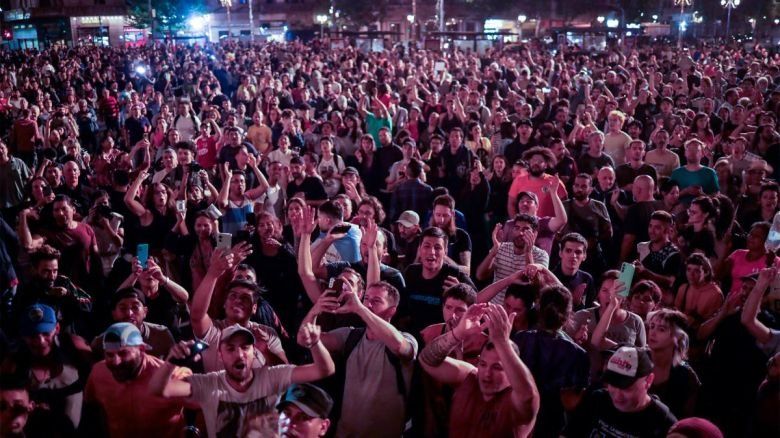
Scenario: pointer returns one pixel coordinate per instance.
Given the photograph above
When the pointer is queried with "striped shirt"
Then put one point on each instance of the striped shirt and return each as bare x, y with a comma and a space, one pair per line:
507, 262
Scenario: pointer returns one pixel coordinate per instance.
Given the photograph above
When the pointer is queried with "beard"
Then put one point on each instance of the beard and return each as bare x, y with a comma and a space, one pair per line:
580, 196
536, 171
126, 371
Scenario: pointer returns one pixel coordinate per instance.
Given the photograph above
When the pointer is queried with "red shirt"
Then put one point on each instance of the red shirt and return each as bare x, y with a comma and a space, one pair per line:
76, 246
25, 133
206, 152
541, 187
471, 416
131, 410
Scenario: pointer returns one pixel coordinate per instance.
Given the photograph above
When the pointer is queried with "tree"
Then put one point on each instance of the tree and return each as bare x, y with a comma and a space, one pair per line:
362, 12
170, 15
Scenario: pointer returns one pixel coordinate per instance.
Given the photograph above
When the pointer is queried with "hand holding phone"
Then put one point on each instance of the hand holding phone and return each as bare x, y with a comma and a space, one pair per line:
142, 253
224, 241
626, 277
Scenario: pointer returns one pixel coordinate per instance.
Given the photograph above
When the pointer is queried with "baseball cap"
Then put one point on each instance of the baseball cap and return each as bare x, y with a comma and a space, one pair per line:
312, 400
236, 329
627, 365
122, 334
525, 122
408, 219
528, 194
125, 293
38, 318
350, 169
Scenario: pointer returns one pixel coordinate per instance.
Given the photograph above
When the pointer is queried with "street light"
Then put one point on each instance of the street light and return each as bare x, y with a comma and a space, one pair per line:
729, 5
227, 4
752, 22
683, 24
522, 19
613, 22
655, 18
410, 19
198, 22
600, 19
322, 19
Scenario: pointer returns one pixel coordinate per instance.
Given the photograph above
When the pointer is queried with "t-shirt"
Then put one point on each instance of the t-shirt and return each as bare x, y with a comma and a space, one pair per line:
580, 279
625, 173
681, 386
540, 187
374, 124
234, 217
664, 161
556, 363
211, 358
372, 405
615, 145
638, 219
225, 410
131, 409
741, 266
704, 177
13, 177
311, 188
596, 416
473, 416
206, 152
75, 246
422, 300
591, 165
507, 262
458, 244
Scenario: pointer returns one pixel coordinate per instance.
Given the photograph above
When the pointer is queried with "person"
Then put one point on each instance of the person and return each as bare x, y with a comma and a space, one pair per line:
118, 394
661, 158
627, 172
427, 279
616, 142
560, 367
625, 407
742, 262
506, 258
644, 297
235, 200
594, 157
230, 396
767, 339
638, 216
14, 175
458, 240
498, 397
339, 245
675, 383
694, 427
528, 203
412, 194
375, 355
305, 187
659, 259
573, 251
700, 296
240, 305
695, 179
20, 416
699, 234
305, 409
540, 159
589, 218
129, 305
456, 301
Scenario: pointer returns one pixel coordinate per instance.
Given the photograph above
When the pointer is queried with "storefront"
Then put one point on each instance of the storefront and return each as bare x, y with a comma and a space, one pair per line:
98, 30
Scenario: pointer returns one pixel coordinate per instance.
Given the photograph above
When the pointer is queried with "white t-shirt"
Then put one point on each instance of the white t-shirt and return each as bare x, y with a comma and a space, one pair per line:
213, 362
226, 410
277, 155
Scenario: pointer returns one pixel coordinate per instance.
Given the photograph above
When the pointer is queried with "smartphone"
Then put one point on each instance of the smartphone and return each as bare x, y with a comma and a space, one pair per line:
142, 253
224, 240
250, 218
337, 285
340, 229
197, 348
626, 277
181, 205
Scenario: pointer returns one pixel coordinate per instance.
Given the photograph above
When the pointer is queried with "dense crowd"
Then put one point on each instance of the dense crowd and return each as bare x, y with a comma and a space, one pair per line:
292, 240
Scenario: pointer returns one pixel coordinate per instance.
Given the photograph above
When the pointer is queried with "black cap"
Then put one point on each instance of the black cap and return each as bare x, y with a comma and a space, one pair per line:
312, 400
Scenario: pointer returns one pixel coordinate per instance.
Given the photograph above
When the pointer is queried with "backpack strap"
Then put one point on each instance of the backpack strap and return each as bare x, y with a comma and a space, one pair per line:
395, 361
352, 340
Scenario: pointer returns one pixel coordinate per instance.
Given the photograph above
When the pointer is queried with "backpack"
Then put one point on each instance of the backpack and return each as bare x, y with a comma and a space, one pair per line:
413, 399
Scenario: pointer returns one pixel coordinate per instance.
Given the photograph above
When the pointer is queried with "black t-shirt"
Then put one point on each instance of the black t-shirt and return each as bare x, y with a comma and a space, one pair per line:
638, 220
311, 187
596, 416
574, 281
459, 243
682, 385
422, 300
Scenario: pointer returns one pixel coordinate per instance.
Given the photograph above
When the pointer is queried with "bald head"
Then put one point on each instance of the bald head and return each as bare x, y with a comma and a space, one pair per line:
643, 188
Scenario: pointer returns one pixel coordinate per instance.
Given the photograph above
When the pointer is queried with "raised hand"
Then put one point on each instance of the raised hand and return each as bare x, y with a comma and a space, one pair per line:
350, 303
309, 335
241, 251
369, 233
496, 235
472, 322
221, 261
499, 323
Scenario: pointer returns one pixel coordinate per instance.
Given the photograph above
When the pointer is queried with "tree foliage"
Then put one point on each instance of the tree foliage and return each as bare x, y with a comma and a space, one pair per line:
170, 15
362, 12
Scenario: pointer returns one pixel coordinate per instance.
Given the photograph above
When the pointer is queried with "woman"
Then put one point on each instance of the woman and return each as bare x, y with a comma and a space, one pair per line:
768, 198
105, 162
159, 133
295, 208
743, 262
670, 196
700, 128
348, 138
109, 233
699, 234
729, 183
459, 246
478, 144
364, 156
699, 297
675, 382
473, 198
156, 215
499, 176
195, 249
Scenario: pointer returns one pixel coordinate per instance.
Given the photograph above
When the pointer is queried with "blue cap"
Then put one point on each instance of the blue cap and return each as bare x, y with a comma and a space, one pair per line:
38, 318
122, 334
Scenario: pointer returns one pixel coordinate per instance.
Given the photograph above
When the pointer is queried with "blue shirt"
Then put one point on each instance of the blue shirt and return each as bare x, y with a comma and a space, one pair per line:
704, 177
348, 247
234, 218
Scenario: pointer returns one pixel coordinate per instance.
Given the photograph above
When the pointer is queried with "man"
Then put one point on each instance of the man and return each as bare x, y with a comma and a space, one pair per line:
496, 398
14, 175
240, 305
307, 187
427, 279
573, 251
118, 401
457, 300
24, 135
306, 408
233, 143
407, 237
22, 417
80, 194
627, 172
231, 396
136, 126
457, 161
129, 305
375, 356
522, 143
412, 194
528, 203
537, 181
338, 245
388, 154
664, 160
506, 258
695, 179
638, 215
458, 240
589, 218
624, 408
372, 239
